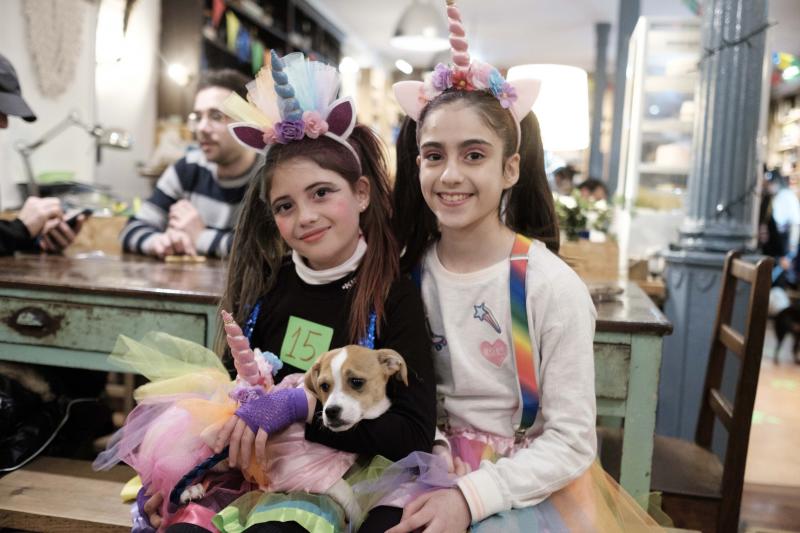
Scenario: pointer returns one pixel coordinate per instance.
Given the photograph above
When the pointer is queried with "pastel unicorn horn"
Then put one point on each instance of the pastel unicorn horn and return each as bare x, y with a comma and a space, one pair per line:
288, 104
458, 39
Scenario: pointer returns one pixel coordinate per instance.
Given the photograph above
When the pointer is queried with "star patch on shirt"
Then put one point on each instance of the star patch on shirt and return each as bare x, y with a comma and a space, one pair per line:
484, 314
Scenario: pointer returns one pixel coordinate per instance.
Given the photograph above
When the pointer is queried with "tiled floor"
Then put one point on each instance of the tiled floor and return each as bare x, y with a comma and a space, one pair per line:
771, 498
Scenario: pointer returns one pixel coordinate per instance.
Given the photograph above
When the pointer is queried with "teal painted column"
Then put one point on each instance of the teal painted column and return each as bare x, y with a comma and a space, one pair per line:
720, 200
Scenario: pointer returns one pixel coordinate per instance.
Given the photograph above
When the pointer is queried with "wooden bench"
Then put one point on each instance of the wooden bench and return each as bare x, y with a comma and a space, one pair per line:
56, 495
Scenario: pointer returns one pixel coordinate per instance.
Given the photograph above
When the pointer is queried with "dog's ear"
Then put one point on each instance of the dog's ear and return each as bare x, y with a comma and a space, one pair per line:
393, 364
311, 378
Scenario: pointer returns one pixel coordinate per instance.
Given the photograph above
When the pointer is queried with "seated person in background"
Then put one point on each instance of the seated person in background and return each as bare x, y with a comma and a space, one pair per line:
40, 223
194, 206
593, 189
779, 226
563, 179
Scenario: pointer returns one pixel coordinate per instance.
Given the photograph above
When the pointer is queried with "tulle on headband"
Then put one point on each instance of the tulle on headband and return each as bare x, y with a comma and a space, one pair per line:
464, 75
292, 100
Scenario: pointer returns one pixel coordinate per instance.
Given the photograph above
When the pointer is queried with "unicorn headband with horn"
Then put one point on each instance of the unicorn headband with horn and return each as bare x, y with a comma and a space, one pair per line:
294, 99
464, 75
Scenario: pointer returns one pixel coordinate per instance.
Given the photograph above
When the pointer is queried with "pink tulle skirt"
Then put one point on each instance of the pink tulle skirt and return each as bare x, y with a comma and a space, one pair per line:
179, 414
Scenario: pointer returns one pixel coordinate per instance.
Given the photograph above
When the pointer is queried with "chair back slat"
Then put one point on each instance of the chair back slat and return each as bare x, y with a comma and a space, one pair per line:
744, 270
722, 408
732, 339
748, 346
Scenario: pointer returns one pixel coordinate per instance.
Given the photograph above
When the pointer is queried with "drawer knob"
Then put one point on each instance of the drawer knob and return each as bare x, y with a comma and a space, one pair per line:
34, 321
32, 318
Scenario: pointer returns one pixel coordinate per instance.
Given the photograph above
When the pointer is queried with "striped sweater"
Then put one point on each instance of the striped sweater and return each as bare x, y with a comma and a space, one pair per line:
195, 179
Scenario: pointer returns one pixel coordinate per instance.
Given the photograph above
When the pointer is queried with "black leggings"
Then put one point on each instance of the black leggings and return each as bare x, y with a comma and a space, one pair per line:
378, 521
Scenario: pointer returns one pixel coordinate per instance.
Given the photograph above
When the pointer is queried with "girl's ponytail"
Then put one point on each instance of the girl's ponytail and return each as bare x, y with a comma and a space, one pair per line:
529, 208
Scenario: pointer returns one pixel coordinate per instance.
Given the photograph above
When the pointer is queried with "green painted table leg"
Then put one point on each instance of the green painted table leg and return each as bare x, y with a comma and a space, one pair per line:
640, 417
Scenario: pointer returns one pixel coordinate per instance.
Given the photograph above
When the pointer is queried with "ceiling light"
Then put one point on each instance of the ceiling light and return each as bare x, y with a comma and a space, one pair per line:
178, 73
348, 65
404, 66
421, 28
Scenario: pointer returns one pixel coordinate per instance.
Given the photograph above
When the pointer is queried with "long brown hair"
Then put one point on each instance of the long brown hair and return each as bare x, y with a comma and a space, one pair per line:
527, 207
258, 249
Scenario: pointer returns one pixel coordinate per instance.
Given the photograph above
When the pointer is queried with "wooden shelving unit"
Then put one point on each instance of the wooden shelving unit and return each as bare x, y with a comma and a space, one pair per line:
283, 25
190, 37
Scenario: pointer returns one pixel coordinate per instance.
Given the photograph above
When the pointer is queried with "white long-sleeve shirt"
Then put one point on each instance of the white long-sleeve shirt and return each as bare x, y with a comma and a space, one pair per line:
477, 384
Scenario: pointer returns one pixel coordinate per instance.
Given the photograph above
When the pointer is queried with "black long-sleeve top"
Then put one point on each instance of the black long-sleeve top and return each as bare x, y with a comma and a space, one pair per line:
14, 236
410, 422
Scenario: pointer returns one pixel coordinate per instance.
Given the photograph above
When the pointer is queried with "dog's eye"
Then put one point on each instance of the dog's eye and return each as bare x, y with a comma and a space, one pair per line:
324, 387
357, 383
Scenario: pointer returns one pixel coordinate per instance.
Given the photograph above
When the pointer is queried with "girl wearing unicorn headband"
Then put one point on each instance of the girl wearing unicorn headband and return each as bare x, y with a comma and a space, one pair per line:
313, 266
512, 324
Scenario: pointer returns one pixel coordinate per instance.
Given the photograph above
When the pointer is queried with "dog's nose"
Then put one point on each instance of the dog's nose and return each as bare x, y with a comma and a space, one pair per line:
333, 412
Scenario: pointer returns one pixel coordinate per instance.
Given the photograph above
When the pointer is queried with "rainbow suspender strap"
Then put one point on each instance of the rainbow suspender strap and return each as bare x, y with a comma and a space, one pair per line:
523, 347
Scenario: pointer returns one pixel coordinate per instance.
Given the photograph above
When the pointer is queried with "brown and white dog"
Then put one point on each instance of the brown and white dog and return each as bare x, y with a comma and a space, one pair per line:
351, 384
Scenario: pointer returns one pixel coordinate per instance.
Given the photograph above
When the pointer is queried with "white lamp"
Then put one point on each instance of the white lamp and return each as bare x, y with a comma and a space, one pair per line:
421, 28
562, 106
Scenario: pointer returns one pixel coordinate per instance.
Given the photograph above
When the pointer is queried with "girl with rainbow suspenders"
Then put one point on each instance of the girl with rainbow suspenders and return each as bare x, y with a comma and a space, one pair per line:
512, 324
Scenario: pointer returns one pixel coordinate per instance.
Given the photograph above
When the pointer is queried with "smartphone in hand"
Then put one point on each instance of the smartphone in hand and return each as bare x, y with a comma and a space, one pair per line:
71, 218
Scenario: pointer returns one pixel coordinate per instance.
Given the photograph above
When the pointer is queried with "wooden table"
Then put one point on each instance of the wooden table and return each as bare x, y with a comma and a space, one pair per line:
627, 346
68, 311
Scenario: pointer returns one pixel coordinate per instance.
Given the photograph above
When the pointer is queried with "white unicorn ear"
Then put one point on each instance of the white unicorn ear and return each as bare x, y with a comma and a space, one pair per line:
407, 94
527, 92
341, 117
248, 135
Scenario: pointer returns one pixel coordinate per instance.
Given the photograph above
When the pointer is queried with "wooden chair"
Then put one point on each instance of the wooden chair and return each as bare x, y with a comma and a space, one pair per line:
698, 491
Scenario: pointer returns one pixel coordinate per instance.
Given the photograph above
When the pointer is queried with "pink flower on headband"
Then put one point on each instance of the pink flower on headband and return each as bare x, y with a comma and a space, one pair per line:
480, 73
507, 96
314, 124
289, 130
269, 136
461, 81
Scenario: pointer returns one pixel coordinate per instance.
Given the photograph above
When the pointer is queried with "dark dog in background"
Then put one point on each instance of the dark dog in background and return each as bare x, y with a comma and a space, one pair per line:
788, 321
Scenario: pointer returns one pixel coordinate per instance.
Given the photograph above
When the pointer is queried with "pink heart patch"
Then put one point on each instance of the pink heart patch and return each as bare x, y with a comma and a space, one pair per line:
495, 352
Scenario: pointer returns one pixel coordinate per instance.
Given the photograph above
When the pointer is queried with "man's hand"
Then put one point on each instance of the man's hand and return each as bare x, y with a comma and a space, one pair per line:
36, 211
171, 242
57, 235
183, 216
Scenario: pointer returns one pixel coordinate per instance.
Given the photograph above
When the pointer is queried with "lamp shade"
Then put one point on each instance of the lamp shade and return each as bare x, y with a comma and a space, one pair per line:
562, 106
421, 28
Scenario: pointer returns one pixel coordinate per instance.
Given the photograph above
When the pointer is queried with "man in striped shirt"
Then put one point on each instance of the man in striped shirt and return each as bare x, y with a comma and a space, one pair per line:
195, 204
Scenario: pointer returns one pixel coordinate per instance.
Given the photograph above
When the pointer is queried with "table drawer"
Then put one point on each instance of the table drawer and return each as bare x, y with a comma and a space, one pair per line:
89, 327
611, 367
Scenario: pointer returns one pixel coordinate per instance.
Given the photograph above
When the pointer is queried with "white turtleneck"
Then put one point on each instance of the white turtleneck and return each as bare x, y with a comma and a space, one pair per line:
321, 277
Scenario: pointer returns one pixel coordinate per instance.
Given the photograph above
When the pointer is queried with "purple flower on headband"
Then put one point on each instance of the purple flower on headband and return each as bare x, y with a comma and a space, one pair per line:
314, 124
289, 130
508, 95
442, 78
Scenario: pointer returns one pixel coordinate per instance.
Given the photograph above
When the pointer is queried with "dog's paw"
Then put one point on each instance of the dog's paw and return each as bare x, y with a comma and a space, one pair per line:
193, 492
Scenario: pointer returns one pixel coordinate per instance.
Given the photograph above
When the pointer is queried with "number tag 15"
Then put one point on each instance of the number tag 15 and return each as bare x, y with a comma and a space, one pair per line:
304, 342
